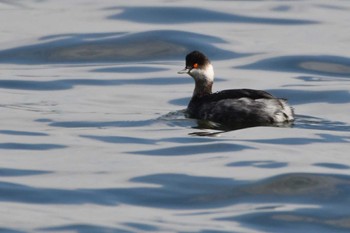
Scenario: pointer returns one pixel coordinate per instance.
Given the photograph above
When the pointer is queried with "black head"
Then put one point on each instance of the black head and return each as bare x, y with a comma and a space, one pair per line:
196, 59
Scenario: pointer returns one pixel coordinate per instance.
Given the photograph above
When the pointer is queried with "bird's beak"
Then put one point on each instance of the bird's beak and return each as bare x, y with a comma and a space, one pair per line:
184, 71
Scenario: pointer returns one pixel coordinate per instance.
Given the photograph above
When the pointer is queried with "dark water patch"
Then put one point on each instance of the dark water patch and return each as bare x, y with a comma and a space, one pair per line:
12, 192
180, 101
299, 220
179, 15
83, 36
317, 65
310, 122
314, 79
179, 191
295, 96
259, 164
130, 69
22, 133
141, 226
171, 194
9, 230
20, 172
142, 46
35, 85
99, 124
282, 8
66, 84
303, 186
323, 138
193, 149
121, 139
44, 120
84, 228
332, 166
184, 191
30, 146
333, 7
16, 3
215, 231
144, 141
172, 119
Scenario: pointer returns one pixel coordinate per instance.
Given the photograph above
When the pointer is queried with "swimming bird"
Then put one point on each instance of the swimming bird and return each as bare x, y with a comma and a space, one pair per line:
234, 108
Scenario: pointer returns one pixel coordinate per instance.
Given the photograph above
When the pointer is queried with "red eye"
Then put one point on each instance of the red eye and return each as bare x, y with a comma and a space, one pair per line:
195, 65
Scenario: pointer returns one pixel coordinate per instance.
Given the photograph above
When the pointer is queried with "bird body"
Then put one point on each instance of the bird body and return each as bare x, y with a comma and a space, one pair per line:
235, 107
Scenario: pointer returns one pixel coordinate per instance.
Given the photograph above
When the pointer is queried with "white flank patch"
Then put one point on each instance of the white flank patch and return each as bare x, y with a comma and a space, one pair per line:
273, 108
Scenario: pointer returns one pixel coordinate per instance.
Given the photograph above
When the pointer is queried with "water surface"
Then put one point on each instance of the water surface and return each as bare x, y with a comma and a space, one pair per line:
93, 132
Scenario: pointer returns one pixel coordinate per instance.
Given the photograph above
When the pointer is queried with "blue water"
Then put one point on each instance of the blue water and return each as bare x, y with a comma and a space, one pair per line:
94, 136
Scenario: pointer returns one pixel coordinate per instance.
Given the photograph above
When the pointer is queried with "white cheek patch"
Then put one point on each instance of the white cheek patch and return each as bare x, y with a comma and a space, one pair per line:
196, 73
209, 73
206, 74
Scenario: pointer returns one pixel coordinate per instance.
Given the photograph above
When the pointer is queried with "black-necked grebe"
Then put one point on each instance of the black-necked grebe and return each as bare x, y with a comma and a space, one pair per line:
237, 108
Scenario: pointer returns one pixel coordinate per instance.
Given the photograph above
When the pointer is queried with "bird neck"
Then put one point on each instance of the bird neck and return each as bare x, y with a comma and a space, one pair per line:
202, 88
204, 79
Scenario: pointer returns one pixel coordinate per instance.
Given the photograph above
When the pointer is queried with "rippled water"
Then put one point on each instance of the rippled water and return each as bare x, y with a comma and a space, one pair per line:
94, 136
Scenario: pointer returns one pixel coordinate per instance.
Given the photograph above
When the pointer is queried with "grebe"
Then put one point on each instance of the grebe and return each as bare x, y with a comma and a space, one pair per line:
235, 108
